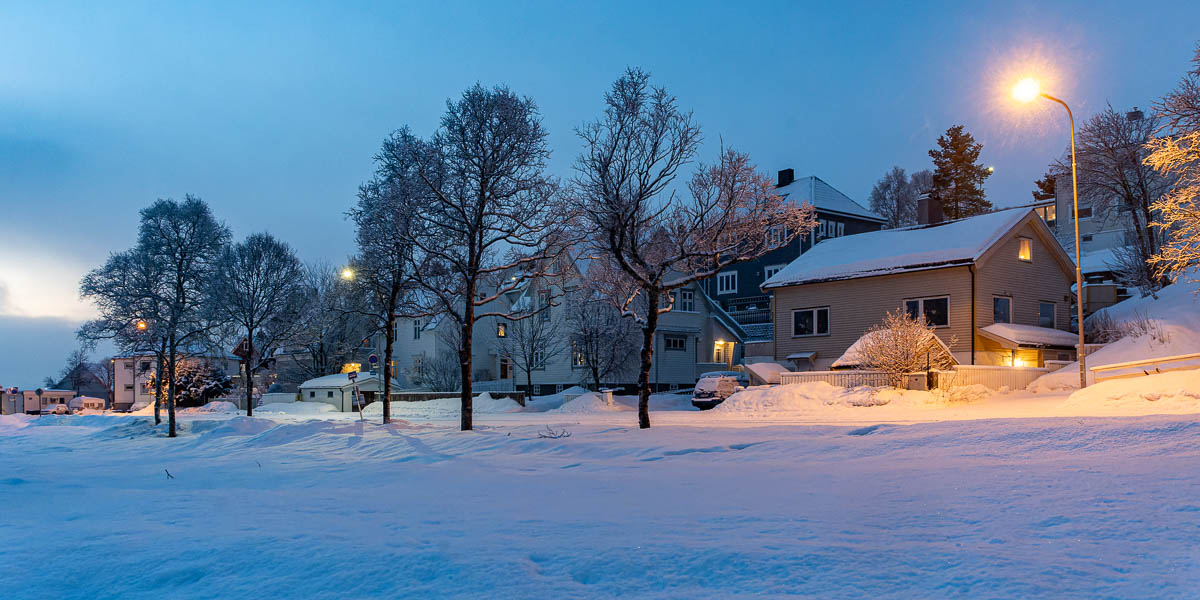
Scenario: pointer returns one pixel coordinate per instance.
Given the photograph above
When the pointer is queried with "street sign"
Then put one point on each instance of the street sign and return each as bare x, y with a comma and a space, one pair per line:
372, 359
353, 375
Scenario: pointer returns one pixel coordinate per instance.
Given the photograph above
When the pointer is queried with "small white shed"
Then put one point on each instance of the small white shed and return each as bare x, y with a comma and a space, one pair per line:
338, 390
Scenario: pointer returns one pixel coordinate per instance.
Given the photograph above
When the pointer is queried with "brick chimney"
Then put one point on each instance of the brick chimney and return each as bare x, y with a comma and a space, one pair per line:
929, 209
786, 176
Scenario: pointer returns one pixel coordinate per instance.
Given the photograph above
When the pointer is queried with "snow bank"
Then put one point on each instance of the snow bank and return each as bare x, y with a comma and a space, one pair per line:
296, 408
1176, 313
822, 399
589, 404
766, 371
444, 408
216, 406
1175, 392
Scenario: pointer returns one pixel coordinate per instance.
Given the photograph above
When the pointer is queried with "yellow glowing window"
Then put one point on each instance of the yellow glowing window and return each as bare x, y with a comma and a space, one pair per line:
1025, 249
352, 367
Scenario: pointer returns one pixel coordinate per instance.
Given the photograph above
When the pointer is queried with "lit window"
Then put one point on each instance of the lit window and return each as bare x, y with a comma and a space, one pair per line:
1001, 309
936, 310
1025, 249
810, 321
727, 282
501, 329
687, 301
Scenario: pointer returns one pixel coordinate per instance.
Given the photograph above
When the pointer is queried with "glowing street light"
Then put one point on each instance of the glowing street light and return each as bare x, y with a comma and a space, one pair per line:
141, 325
1025, 91
348, 274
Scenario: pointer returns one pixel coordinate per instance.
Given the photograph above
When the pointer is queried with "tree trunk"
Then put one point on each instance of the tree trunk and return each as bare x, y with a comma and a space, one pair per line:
171, 361
249, 373
389, 338
464, 359
647, 357
529, 383
158, 383
596, 377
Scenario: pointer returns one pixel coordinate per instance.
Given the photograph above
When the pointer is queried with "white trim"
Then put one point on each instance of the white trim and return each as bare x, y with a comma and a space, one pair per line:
921, 307
816, 331
1010, 308
732, 275
766, 270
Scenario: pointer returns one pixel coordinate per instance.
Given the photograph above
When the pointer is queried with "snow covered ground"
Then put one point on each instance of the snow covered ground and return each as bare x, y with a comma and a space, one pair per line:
303, 504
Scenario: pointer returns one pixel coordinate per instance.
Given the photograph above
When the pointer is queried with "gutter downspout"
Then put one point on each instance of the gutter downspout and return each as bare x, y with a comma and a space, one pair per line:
971, 268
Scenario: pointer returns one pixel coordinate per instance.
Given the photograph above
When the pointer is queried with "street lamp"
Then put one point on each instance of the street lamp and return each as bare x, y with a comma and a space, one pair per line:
1026, 91
141, 325
347, 274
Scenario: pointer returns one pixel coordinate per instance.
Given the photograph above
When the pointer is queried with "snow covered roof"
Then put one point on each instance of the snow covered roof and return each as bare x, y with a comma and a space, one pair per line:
851, 358
722, 317
1011, 335
1097, 261
890, 251
341, 380
825, 198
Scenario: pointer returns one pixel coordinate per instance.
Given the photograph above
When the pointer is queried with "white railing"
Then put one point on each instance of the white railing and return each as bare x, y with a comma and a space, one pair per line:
1149, 366
848, 378
993, 377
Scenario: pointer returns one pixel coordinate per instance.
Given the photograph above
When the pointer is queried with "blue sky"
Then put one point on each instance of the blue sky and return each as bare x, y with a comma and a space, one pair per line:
271, 112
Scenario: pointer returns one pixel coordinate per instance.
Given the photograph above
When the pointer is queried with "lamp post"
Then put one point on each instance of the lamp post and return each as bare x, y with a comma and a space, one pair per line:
1026, 91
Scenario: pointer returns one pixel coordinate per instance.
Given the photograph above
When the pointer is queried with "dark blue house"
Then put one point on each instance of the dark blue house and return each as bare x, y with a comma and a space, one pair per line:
736, 289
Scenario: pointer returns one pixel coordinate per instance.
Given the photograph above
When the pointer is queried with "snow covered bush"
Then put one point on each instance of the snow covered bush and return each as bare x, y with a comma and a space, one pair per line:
902, 344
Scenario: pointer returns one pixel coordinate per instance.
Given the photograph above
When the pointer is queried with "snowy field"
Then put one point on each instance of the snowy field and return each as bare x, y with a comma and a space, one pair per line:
299, 503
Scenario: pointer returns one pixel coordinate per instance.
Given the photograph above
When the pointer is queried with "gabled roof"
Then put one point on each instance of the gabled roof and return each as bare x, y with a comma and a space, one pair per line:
342, 380
717, 313
825, 198
890, 251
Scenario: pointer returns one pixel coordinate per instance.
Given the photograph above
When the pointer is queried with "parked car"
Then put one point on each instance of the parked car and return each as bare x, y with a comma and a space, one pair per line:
711, 391
56, 409
743, 379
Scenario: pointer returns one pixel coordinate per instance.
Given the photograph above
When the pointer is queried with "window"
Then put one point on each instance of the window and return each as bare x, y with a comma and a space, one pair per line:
505, 368
1085, 212
1025, 249
936, 310
539, 359
1001, 309
129, 386
841, 229
329, 394
776, 235
576, 357
418, 365
822, 228
416, 329
501, 330
544, 305
687, 301
129, 365
769, 272
312, 394
727, 282
145, 366
1087, 237
810, 321
1046, 315
677, 343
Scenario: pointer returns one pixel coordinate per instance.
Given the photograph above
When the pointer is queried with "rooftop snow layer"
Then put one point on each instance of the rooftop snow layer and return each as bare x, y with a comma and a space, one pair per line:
825, 197
1031, 335
898, 250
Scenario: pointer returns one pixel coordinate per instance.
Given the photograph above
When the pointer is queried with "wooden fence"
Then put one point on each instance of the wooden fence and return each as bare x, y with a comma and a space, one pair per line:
1150, 366
993, 377
847, 378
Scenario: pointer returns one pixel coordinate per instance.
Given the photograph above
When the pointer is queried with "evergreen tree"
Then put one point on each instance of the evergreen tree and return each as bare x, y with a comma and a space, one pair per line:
1045, 188
958, 177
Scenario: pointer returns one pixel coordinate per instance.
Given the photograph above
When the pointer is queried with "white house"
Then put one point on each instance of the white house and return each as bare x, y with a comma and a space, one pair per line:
338, 390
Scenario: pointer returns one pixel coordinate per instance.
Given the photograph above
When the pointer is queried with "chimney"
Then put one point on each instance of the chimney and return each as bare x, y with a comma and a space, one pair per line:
929, 209
786, 176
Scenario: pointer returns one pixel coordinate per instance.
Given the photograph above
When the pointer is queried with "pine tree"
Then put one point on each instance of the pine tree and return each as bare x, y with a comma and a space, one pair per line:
1045, 188
958, 177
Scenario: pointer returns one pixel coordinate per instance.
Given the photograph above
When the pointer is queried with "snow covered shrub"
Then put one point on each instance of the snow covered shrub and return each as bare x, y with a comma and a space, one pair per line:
1100, 328
1141, 324
903, 344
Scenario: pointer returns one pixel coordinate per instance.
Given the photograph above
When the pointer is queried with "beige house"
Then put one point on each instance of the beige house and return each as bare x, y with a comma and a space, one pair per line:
996, 288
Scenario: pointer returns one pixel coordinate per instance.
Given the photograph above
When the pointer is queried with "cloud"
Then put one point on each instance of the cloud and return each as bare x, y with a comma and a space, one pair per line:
35, 347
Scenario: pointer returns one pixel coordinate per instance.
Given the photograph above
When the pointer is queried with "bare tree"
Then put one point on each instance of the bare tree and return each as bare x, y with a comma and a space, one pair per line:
77, 371
1176, 156
131, 293
259, 287
386, 208
185, 241
894, 198
655, 240
486, 223
440, 373
1114, 177
900, 345
533, 338
600, 338
330, 330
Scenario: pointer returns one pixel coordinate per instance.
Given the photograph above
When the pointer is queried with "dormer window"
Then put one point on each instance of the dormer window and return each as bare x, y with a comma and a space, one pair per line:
1025, 249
